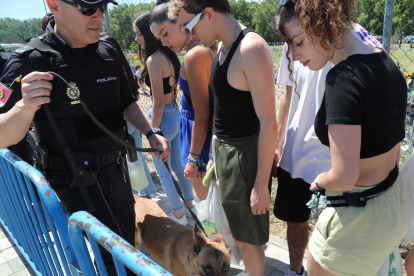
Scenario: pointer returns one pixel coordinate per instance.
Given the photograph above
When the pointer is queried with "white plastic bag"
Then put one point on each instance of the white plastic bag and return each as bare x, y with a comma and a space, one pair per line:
392, 265
137, 174
214, 220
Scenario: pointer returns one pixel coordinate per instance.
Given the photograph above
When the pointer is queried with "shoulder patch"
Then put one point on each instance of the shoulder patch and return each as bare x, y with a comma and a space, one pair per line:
24, 49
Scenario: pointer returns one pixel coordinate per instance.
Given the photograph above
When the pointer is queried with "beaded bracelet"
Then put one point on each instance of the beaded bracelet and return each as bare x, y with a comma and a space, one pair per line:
196, 162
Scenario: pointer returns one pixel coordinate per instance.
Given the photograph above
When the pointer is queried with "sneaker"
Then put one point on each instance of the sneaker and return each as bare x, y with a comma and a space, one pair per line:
293, 273
182, 221
187, 213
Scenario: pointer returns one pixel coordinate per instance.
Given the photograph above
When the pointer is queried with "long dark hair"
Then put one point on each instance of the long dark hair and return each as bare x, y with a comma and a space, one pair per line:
131, 77
284, 15
142, 21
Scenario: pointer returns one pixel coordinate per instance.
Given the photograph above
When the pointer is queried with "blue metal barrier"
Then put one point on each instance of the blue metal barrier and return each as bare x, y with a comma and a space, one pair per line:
122, 252
22, 217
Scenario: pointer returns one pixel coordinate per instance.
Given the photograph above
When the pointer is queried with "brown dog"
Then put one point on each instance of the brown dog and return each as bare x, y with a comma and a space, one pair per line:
177, 248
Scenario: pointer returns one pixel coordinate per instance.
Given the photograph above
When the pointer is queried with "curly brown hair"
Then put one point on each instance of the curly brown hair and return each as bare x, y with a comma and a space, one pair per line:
326, 19
197, 6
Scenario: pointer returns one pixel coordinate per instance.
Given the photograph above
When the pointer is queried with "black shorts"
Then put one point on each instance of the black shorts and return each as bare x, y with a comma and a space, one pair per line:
291, 198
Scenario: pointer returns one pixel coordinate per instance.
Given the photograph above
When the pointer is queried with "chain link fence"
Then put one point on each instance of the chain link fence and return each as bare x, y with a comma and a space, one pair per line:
390, 21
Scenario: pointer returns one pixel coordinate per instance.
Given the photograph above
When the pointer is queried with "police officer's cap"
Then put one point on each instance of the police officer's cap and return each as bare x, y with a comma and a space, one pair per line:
94, 3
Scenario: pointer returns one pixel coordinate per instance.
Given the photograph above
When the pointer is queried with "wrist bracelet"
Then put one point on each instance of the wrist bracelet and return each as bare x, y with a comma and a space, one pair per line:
192, 160
196, 162
316, 182
210, 155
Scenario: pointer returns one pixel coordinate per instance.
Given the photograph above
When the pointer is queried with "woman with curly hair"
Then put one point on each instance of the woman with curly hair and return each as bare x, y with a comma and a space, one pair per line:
367, 214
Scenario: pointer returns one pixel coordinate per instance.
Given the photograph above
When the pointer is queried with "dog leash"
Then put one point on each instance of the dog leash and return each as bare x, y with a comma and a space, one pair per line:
125, 144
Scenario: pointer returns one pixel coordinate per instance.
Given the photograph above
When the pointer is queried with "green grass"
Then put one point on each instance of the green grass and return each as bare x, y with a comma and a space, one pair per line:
405, 58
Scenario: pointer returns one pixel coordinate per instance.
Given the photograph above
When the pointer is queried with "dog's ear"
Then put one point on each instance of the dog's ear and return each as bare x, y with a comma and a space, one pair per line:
216, 237
198, 239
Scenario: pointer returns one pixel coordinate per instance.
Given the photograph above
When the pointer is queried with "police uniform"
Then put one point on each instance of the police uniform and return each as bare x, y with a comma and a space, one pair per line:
3, 60
97, 73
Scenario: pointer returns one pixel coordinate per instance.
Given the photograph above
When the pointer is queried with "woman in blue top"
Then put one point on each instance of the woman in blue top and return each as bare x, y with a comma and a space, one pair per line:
197, 100
161, 76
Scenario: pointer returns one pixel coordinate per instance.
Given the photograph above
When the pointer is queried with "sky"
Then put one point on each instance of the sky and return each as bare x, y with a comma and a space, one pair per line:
26, 9
22, 9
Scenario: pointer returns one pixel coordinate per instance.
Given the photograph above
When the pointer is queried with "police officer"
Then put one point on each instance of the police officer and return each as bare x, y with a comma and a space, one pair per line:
71, 48
3, 59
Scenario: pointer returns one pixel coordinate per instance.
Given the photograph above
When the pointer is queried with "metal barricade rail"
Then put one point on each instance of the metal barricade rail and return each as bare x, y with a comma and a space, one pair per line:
122, 252
39, 229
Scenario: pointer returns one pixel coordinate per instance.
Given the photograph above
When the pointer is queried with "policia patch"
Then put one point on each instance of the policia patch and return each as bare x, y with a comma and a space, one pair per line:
5, 92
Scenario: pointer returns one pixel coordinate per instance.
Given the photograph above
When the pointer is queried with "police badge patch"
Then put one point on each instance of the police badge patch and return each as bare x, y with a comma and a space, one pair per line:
5, 93
73, 92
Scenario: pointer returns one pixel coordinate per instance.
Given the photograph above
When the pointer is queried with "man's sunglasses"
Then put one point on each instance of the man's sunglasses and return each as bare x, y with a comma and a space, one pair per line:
86, 11
189, 27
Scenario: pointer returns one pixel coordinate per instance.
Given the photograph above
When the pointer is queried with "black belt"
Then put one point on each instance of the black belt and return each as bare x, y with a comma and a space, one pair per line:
56, 162
360, 199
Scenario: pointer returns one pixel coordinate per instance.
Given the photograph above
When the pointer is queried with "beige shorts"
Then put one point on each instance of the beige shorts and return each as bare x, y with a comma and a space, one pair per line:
357, 240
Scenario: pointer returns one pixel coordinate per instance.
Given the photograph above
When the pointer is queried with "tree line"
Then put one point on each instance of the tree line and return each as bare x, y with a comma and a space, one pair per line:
14, 30
257, 15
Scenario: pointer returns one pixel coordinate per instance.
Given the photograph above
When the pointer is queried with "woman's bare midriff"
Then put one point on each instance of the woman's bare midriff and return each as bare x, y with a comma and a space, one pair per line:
375, 169
169, 98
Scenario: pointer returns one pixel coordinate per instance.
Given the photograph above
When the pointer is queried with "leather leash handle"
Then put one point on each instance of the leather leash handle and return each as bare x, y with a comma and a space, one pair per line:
71, 160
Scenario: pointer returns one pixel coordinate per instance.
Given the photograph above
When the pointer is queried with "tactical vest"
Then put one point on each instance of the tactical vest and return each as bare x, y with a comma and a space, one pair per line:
99, 85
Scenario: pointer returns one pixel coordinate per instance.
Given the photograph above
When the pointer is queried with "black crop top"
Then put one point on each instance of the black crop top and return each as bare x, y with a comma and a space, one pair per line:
165, 84
366, 90
165, 81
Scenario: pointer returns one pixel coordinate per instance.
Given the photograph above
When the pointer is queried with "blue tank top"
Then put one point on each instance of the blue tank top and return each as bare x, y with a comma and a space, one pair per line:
186, 89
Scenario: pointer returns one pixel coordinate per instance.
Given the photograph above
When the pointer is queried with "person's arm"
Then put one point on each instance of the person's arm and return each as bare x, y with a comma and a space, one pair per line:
345, 144
136, 119
211, 159
281, 126
14, 124
258, 67
154, 64
399, 154
198, 66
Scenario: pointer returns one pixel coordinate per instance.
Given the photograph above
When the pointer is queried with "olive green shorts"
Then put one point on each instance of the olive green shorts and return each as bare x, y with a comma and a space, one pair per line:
236, 167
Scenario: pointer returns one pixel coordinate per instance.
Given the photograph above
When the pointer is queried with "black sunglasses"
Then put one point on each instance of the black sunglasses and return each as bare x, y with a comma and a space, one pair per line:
86, 11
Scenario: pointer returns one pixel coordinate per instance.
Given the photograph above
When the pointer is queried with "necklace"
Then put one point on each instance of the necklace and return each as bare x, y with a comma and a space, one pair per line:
186, 44
189, 47
225, 49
